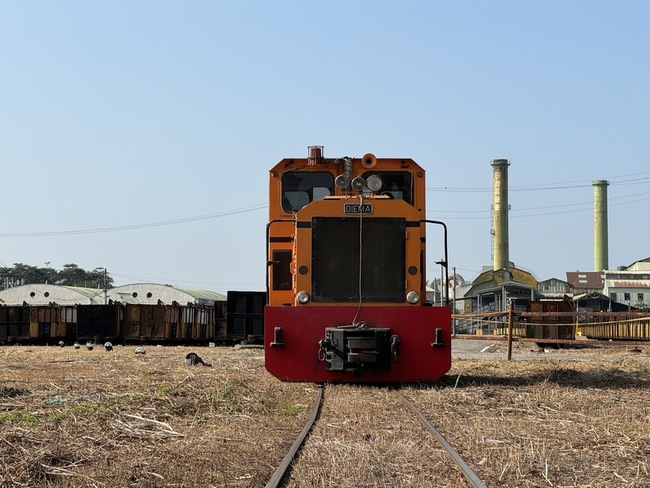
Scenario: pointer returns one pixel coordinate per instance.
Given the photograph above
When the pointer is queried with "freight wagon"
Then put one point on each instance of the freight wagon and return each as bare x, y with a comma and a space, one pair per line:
237, 319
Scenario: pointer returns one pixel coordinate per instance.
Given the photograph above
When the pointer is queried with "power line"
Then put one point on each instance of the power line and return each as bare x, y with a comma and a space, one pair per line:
511, 188
167, 280
590, 204
135, 226
482, 214
486, 214
549, 186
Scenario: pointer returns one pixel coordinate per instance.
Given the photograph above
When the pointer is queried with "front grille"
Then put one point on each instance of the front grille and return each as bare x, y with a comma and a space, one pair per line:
337, 260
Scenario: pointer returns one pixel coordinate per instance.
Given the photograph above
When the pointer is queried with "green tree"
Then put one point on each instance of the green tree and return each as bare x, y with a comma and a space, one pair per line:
99, 278
22, 274
70, 275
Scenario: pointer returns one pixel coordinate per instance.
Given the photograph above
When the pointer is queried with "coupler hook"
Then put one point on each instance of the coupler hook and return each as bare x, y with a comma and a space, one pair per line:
324, 345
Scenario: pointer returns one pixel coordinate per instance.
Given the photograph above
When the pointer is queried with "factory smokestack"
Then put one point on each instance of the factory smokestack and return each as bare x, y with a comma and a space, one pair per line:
501, 256
601, 251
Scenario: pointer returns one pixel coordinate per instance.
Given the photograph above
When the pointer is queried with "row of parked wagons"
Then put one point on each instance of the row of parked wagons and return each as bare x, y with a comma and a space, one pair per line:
560, 320
237, 319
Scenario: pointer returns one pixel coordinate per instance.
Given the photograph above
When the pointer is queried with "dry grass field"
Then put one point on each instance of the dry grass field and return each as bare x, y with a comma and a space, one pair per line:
79, 418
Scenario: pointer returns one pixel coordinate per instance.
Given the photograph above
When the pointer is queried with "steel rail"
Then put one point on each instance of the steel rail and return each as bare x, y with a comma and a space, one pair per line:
467, 472
283, 469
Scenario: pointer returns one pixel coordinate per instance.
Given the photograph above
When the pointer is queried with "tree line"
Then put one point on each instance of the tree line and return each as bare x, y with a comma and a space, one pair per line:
70, 275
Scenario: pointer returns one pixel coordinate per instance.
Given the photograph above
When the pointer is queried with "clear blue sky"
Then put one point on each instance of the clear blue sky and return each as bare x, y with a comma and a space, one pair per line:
138, 136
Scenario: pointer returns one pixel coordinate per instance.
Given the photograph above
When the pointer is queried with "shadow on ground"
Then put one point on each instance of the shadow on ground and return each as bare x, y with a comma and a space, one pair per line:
610, 378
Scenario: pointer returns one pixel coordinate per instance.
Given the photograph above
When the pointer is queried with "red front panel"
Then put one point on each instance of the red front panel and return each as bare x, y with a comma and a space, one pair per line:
303, 327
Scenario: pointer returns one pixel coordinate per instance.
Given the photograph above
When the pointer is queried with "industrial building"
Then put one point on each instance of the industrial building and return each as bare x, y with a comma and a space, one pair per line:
629, 286
554, 288
493, 289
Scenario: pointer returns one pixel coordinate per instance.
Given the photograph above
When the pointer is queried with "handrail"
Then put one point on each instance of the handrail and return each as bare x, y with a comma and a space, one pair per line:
445, 263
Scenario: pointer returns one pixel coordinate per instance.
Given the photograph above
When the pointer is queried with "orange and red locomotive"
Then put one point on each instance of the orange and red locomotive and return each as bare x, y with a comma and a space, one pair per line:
346, 287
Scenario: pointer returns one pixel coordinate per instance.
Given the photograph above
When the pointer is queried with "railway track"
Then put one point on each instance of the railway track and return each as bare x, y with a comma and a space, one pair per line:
281, 474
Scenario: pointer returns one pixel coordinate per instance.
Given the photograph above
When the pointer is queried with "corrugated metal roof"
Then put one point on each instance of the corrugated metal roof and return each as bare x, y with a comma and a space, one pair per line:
511, 275
144, 293
203, 294
553, 280
591, 296
87, 292
640, 265
44, 293
491, 280
627, 284
585, 279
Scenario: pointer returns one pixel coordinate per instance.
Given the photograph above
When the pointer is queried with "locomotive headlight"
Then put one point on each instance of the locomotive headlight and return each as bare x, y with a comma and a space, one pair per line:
342, 181
412, 297
302, 297
374, 183
358, 183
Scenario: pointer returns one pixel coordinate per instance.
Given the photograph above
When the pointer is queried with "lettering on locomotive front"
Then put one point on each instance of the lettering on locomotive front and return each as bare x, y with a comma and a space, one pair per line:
355, 208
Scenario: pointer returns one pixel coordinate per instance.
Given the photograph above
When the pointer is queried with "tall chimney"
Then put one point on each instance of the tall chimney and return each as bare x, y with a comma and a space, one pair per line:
601, 251
500, 214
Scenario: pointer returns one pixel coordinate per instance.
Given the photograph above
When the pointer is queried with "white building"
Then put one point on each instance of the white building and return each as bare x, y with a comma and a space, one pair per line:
630, 286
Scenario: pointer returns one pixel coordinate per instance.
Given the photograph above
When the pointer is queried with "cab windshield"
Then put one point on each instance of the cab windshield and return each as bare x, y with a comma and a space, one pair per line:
300, 188
396, 184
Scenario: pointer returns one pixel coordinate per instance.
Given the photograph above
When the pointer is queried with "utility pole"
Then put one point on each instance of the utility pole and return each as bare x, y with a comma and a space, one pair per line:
105, 285
511, 316
453, 309
442, 281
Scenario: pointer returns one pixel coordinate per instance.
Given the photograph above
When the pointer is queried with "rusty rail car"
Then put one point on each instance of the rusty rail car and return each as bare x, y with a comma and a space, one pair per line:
621, 328
240, 318
548, 324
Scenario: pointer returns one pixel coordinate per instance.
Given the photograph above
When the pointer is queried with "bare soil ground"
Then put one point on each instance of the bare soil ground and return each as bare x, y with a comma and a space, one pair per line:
79, 418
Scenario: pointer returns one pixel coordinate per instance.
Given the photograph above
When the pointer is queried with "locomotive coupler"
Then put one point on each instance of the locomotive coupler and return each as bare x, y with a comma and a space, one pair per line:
357, 349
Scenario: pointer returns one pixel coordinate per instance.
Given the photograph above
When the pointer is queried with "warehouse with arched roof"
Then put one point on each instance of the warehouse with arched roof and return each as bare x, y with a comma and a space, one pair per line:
44, 294
152, 293
137, 293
